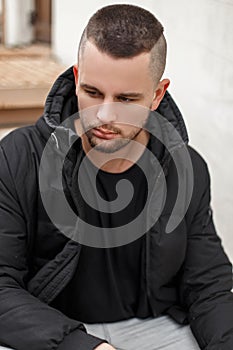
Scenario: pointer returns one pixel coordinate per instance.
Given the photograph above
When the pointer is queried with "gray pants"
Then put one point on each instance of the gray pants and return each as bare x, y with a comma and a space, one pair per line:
145, 334
160, 333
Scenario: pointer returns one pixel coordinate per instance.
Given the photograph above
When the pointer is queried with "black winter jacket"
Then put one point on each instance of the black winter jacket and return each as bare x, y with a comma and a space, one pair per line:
187, 272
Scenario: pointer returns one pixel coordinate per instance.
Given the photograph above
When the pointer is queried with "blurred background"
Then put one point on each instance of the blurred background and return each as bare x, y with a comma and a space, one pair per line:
39, 39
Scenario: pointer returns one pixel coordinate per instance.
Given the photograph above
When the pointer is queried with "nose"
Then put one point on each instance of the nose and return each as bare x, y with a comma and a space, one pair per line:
106, 113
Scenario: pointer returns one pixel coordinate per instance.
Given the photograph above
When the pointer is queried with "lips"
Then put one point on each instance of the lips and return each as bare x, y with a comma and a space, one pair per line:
104, 133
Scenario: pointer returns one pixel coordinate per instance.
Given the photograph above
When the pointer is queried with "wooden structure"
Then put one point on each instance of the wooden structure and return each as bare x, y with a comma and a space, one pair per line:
26, 76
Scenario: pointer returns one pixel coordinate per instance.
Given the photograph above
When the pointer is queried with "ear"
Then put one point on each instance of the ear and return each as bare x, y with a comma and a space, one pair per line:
75, 71
159, 93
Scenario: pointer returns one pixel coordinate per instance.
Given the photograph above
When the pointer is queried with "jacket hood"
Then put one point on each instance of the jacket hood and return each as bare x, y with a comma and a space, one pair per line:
61, 103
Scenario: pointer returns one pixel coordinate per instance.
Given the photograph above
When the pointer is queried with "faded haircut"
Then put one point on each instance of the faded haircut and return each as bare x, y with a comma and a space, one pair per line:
125, 31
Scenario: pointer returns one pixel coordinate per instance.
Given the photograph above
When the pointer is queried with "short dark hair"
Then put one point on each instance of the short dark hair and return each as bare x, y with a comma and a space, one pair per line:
125, 31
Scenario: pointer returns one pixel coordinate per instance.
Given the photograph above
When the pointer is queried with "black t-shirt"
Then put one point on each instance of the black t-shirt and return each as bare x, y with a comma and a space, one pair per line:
109, 283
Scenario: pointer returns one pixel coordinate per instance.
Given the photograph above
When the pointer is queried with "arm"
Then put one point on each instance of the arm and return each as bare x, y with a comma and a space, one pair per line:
207, 278
26, 322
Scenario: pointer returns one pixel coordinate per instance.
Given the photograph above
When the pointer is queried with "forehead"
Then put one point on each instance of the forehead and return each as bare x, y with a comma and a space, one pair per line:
99, 69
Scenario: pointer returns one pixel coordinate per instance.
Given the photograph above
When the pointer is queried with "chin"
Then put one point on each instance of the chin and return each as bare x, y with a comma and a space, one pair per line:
108, 146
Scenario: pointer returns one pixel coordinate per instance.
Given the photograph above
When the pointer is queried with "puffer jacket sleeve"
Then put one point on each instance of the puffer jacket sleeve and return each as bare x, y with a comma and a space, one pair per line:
25, 321
207, 275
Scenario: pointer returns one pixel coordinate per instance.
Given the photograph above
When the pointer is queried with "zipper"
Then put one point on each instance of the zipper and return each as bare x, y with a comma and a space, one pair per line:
147, 258
148, 238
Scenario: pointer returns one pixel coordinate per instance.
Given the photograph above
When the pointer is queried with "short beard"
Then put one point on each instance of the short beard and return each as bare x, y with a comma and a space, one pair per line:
111, 146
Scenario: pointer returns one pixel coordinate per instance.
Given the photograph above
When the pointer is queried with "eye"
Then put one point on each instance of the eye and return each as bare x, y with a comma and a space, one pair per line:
93, 93
125, 99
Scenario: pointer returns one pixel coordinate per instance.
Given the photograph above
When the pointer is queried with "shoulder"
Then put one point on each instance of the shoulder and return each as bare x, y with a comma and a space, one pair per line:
20, 153
197, 158
19, 137
189, 165
200, 168
21, 142
201, 192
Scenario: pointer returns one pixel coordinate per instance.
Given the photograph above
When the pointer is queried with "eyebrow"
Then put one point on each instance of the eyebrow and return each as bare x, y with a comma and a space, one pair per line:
124, 94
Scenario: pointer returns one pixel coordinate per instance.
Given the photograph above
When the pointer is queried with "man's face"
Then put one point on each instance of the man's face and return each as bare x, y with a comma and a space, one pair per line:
107, 86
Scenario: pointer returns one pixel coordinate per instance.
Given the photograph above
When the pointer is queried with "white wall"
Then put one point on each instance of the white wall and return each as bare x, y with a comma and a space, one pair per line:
200, 66
18, 30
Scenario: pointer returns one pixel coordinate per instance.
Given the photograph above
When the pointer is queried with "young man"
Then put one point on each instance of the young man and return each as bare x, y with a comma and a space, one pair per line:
105, 219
